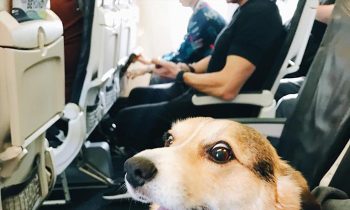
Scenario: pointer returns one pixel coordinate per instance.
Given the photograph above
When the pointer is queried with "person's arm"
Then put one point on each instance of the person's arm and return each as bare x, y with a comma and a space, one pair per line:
170, 69
224, 84
324, 13
202, 65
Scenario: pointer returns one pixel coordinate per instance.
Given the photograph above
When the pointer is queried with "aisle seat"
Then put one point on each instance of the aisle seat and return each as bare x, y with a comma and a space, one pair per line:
32, 99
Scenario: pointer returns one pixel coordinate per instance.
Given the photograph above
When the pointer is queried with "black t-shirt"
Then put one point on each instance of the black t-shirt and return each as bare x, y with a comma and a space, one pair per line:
254, 33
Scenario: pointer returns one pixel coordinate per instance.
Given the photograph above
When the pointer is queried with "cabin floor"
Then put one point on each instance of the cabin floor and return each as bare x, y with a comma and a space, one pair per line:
92, 200
86, 193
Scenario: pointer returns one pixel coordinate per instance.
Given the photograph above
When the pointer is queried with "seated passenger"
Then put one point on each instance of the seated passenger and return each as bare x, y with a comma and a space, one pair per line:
204, 26
241, 60
293, 83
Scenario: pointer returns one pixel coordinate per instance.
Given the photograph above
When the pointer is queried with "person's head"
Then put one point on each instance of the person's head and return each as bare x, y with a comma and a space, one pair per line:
188, 3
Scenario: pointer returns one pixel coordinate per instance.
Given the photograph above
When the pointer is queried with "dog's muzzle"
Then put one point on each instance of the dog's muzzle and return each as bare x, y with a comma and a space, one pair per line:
139, 170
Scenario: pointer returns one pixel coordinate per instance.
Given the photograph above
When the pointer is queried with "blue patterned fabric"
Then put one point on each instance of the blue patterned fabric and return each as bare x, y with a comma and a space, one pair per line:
204, 26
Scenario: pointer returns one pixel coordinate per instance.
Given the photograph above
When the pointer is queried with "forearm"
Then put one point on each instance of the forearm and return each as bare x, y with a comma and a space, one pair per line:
324, 13
202, 65
210, 83
224, 84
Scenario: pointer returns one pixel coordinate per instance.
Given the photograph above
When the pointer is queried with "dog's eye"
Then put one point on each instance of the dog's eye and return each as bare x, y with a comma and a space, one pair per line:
168, 139
221, 153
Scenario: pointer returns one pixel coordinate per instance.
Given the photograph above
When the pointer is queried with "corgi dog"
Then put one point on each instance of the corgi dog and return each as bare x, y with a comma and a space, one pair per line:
213, 164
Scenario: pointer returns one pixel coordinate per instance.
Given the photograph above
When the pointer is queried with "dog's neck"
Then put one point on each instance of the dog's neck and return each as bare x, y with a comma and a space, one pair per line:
262, 199
288, 194
286, 197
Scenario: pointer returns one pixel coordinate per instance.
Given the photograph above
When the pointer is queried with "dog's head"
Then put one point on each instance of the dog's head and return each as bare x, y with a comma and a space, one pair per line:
213, 164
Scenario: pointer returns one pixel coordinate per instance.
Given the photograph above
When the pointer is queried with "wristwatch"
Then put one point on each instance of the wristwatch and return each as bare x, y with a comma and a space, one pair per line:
180, 76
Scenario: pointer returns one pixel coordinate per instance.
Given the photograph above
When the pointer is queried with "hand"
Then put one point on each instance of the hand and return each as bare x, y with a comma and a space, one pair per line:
143, 60
132, 74
183, 67
167, 69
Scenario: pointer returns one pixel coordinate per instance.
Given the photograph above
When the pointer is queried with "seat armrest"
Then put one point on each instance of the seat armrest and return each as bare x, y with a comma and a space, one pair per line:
264, 99
271, 127
69, 149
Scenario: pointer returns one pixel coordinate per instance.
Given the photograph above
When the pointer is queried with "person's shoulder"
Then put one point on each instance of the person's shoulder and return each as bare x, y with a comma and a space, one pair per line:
260, 6
260, 9
208, 11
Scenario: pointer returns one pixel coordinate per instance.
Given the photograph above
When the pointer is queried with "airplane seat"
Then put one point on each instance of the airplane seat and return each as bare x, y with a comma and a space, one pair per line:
315, 138
96, 86
32, 99
127, 41
320, 123
5, 116
334, 189
287, 61
339, 179
318, 129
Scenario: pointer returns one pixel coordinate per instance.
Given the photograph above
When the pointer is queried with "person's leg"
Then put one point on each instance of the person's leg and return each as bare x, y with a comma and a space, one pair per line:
142, 127
286, 105
289, 86
155, 79
147, 95
155, 94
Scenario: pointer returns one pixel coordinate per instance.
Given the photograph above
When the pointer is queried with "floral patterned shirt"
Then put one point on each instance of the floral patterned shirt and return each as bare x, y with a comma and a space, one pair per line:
204, 26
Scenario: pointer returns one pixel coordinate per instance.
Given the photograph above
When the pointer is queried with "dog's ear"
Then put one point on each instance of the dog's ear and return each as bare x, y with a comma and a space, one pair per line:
308, 201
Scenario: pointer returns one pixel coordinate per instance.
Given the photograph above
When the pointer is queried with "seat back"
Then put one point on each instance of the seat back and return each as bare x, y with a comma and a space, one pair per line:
88, 13
340, 178
96, 88
31, 100
4, 106
129, 21
293, 47
319, 127
32, 54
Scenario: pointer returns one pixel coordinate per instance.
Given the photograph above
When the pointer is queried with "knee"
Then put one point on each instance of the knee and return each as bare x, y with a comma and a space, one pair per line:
286, 105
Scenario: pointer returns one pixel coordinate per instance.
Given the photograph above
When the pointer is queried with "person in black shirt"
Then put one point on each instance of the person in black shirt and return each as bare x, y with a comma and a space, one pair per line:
241, 60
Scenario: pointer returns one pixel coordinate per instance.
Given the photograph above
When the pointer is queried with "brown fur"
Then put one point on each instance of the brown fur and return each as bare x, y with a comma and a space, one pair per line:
255, 173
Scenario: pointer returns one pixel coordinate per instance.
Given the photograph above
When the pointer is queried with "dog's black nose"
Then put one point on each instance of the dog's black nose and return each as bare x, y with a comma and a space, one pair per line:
139, 170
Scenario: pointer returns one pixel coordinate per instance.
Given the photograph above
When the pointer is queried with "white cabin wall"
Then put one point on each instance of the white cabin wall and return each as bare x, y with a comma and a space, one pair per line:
163, 23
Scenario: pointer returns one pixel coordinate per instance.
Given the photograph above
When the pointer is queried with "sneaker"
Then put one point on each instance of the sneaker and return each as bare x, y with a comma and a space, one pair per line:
55, 136
117, 192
